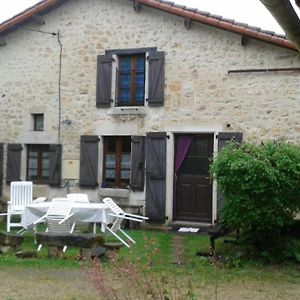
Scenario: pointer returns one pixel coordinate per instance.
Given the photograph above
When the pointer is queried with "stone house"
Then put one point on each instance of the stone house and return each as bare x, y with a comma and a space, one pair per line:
132, 99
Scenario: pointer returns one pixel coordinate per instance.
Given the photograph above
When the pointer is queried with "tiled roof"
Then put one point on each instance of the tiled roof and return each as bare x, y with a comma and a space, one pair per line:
20, 19
192, 14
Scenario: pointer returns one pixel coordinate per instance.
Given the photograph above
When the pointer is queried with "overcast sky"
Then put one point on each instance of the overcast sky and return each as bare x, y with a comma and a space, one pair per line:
251, 12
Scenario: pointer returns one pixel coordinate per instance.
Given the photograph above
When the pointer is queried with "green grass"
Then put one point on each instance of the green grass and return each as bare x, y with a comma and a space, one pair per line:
153, 253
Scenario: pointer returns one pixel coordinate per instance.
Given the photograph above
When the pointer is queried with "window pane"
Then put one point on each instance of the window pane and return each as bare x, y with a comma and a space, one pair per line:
195, 166
125, 63
38, 122
110, 174
45, 174
33, 154
126, 144
125, 161
32, 163
32, 173
125, 174
110, 161
45, 163
110, 144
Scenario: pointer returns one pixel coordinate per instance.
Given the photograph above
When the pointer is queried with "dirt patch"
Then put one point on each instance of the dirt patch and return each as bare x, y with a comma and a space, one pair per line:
31, 283
178, 251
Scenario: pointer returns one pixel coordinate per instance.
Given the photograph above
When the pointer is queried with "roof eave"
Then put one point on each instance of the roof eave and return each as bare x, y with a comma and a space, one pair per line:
220, 24
40, 8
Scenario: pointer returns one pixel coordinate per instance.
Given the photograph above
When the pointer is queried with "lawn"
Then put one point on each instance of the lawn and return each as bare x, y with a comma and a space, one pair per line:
161, 265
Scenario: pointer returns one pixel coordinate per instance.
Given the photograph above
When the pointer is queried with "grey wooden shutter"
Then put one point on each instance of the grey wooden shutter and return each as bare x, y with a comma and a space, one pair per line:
223, 138
1, 168
13, 171
88, 176
156, 177
137, 163
55, 152
156, 78
104, 74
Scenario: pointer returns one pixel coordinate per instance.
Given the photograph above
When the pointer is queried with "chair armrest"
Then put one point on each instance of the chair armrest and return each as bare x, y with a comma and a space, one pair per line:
136, 216
39, 220
66, 218
3, 214
127, 218
39, 199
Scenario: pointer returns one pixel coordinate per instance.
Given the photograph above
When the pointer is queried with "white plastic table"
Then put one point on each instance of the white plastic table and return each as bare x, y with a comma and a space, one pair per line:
83, 212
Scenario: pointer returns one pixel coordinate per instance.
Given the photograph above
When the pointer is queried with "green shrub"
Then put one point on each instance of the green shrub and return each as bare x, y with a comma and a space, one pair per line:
260, 185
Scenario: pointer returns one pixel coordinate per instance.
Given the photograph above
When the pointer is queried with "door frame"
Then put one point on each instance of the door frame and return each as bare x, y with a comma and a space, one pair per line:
170, 171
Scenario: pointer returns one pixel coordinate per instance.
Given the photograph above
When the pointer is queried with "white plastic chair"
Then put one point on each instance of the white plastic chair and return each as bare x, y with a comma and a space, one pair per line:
120, 215
57, 218
82, 198
20, 196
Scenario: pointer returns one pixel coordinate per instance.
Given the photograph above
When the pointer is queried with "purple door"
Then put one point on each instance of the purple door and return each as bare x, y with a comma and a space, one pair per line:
193, 188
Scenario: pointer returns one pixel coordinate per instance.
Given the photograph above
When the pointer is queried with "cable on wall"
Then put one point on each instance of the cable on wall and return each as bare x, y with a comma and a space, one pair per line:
59, 83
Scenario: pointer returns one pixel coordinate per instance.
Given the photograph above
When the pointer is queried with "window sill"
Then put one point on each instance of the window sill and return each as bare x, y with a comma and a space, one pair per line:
111, 192
132, 110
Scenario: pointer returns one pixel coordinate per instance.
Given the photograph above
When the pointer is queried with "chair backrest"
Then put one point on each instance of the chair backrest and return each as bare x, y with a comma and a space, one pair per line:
78, 197
20, 194
113, 206
59, 208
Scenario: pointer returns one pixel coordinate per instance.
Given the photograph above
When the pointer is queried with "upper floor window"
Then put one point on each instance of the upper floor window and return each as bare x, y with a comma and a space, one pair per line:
130, 77
131, 80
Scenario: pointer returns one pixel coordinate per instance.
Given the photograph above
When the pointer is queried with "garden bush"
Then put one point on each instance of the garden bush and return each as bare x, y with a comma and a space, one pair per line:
260, 185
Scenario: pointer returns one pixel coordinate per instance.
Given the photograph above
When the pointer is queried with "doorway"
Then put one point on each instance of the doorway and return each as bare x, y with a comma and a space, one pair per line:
192, 183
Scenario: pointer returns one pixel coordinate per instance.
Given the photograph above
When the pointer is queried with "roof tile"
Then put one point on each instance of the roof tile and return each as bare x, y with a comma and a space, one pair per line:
167, 6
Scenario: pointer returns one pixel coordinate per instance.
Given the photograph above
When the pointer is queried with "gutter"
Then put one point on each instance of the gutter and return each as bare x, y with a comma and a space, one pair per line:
285, 15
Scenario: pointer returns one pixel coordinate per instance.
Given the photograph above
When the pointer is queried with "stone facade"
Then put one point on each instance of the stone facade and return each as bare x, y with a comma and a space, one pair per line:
200, 95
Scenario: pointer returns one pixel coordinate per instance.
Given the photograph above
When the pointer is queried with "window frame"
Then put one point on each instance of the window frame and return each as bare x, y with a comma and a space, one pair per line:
119, 142
41, 148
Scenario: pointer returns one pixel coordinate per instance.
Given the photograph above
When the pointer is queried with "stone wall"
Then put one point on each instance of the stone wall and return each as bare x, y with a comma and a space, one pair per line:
200, 95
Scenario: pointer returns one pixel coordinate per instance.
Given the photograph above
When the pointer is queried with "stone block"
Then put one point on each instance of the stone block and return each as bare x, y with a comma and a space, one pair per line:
10, 239
26, 254
84, 240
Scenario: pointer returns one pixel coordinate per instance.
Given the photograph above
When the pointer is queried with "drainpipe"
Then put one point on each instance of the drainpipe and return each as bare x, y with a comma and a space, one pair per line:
285, 15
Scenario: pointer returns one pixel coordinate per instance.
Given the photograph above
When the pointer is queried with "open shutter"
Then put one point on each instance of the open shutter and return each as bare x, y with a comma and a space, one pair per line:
88, 176
137, 163
156, 78
223, 138
156, 177
104, 74
55, 152
1, 168
13, 171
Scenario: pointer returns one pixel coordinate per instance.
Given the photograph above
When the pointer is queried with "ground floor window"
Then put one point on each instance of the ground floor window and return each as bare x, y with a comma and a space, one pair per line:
117, 161
38, 163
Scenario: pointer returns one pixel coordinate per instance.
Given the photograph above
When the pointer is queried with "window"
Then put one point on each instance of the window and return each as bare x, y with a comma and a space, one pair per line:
38, 163
117, 161
130, 77
131, 80
38, 122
